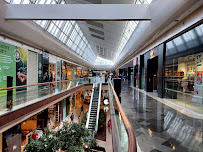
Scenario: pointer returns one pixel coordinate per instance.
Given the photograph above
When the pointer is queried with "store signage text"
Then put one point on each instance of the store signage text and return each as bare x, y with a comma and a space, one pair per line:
152, 54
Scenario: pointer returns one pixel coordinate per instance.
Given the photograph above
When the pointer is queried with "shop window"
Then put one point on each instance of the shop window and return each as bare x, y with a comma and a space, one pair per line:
183, 81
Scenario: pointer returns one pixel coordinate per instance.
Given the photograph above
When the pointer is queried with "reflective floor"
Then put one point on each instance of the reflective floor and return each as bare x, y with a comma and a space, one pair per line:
158, 127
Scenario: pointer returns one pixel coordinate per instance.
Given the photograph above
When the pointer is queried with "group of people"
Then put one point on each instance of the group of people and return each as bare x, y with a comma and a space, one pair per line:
79, 117
46, 77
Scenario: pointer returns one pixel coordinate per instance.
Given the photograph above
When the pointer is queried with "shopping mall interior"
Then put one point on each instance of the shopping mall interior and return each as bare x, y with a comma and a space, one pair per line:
101, 75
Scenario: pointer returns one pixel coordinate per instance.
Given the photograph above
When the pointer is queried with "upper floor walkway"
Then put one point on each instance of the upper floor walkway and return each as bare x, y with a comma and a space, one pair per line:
159, 127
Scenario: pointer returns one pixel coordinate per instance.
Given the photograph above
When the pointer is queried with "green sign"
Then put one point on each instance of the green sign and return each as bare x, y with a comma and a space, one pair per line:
7, 63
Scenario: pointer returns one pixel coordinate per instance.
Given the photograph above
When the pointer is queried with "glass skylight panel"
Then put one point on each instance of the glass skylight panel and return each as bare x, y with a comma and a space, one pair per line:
143, 1
25, 2
73, 35
77, 40
78, 50
8, 1
68, 28
81, 44
77, 28
69, 43
73, 46
67, 32
169, 45
61, 36
53, 2
84, 55
129, 29
55, 30
41, 1
48, 1
199, 30
178, 41
43, 23
189, 36
62, 2
101, 61
16, 1
80, 33
50, 27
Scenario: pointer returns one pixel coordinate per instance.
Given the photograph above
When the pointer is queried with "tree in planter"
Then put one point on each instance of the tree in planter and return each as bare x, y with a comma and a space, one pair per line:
71, 137
101, 121
46, 143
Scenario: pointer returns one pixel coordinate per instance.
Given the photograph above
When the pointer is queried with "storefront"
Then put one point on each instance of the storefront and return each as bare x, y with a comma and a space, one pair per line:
64, 71
184, 69
135, 72
148, 73
174, 70
52, 71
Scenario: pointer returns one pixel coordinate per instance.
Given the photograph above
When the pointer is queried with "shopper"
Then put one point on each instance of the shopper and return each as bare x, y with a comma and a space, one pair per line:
106, 78
51, 79
72, 118
81, 109
109, 125
79, 119
82, 97
45, 77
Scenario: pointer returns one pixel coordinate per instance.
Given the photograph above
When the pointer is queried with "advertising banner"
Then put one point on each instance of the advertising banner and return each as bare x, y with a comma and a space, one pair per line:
21, 66
7, 70
7, 63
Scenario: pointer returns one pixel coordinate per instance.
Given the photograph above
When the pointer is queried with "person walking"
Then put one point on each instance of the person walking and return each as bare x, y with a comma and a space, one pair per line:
51, 79
72, 118
81, 109
109, 125
79, 119
82, 97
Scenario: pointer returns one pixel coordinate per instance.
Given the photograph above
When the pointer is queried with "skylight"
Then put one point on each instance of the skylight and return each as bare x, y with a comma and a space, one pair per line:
68, 32
129, 29
102, 61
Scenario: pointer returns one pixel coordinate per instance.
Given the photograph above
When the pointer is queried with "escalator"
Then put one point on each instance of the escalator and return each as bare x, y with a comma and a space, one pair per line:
94, 108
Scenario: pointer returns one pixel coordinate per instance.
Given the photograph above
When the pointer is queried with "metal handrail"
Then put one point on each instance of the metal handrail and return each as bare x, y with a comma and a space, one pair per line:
132, 146
23, 86
90, 106
98, 107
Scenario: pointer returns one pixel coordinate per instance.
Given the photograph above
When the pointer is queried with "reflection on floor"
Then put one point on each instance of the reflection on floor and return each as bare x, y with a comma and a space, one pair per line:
158, 127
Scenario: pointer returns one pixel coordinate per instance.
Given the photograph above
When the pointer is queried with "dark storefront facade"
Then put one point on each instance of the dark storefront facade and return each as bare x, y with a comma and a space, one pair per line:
174, 69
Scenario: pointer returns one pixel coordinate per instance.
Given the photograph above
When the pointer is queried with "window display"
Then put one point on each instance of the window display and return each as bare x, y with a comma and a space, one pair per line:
184, 70
183, 79
180, 74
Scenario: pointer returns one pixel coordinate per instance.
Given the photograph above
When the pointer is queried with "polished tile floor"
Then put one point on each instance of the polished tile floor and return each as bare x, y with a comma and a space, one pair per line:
159, 128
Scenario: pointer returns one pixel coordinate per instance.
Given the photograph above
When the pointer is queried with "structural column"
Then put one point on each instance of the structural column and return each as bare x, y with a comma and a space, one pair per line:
73, 73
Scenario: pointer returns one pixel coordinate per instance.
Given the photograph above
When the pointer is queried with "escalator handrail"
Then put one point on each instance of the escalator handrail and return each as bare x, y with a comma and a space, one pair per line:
90, 106
132, 146
98, 108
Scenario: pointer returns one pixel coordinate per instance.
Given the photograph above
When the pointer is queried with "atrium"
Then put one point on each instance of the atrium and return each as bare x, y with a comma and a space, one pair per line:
101, 75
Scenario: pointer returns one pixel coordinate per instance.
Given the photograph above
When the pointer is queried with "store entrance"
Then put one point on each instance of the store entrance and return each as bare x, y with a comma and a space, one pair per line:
152, 71
135, 76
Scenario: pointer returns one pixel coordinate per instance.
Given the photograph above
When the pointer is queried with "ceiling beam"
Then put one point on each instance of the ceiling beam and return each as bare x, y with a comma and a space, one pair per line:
104, 12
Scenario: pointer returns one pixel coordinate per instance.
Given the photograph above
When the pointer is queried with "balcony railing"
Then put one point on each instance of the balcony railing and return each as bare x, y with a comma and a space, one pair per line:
123, 135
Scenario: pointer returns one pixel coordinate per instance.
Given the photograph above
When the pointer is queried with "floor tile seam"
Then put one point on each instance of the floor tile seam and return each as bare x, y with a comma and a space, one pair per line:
169, 103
